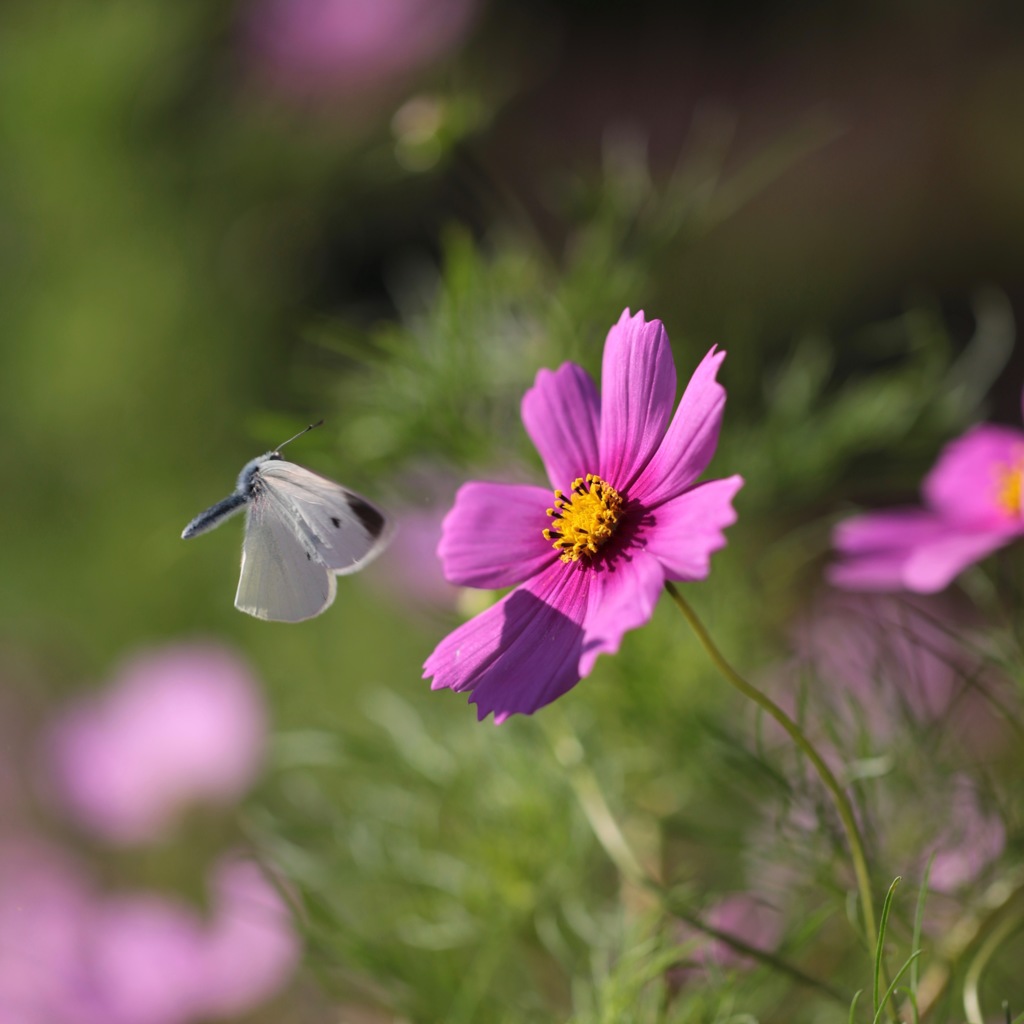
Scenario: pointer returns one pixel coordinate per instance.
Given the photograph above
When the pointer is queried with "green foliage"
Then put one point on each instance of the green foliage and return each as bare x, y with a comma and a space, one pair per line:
170, 312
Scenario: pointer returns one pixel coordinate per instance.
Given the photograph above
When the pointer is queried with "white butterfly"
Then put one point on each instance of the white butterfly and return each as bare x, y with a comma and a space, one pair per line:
301, 530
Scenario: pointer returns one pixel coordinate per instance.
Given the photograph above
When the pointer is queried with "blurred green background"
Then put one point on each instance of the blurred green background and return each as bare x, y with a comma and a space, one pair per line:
199, 257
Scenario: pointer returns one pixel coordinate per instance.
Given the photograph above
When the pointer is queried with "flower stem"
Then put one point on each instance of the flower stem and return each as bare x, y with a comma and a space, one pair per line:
569, 753
842, 803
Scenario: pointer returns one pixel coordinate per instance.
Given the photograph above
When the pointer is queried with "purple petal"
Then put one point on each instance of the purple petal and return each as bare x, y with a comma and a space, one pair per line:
493, 535
521, 653
638, 388
179, 725
691, 438
623, 593
561, 413
965, 484
907, 549
686, 530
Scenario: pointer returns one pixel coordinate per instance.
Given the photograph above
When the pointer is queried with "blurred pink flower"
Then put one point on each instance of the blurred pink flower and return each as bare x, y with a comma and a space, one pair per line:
251, 948
44, 919
970, 839
410, 570
72, 955
744, 916
141, 960
178, 726
630, 517
317, 47
973, 505
875, 666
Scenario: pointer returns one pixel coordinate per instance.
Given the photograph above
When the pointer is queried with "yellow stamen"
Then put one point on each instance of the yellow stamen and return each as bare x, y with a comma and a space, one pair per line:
1009, 487
585, 519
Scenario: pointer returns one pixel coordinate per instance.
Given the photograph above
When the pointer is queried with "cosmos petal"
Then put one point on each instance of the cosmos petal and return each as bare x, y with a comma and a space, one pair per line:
561, 413
493, 535
523, 652
907, 549
685, 531
623, 594
638, 389
965, 483
691, 438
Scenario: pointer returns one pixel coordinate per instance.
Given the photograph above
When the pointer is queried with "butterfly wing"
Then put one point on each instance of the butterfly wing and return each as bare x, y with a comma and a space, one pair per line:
282, 577
344, 530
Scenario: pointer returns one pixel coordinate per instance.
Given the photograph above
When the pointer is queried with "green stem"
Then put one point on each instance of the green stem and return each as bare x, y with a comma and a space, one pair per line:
972, 979
853, 838
569, 753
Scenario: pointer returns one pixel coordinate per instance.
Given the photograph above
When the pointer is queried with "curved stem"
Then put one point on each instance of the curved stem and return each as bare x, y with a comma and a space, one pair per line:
842, 803
972, 979
569, 753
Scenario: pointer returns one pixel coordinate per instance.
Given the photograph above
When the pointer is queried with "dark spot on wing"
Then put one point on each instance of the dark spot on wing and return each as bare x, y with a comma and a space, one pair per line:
336, 521
372, 520
309, 557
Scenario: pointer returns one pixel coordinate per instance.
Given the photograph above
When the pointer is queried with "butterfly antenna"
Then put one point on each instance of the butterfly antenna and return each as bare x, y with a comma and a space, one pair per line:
312, 426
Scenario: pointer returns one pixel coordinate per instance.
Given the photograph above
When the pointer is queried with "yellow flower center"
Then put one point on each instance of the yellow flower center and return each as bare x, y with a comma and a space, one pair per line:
1009, 488
585, 519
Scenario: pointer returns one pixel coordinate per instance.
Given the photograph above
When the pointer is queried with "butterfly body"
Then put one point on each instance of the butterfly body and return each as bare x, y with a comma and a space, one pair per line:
301, 531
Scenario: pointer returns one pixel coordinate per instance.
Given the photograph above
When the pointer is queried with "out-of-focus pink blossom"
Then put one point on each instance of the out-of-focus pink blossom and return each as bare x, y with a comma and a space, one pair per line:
177, 726
347, 47
970, 841
70, 954
875, 664
44, 921
251, 948
973, 505
410, 571
744, 916
142, 960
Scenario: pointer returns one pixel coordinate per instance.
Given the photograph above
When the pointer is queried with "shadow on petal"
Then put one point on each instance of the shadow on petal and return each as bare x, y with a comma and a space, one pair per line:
522, 653
538, 659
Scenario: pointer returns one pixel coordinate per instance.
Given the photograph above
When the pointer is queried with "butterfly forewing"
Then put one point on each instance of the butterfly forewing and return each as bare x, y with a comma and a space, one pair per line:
344, 530
282, 578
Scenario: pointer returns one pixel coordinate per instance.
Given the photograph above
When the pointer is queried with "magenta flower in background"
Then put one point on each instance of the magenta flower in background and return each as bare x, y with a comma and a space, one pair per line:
970, 841
320, 47
878, 663
409, 572
71, 954
251, 948
744, 916
590, 559
972, 507
180, 726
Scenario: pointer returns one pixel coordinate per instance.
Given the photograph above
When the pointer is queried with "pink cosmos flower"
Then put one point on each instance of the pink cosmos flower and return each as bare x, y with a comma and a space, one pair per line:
590, 560
315, 47
181, 725
878, 663
70, 954
251, 948
745, 916
972, 506
971, 839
